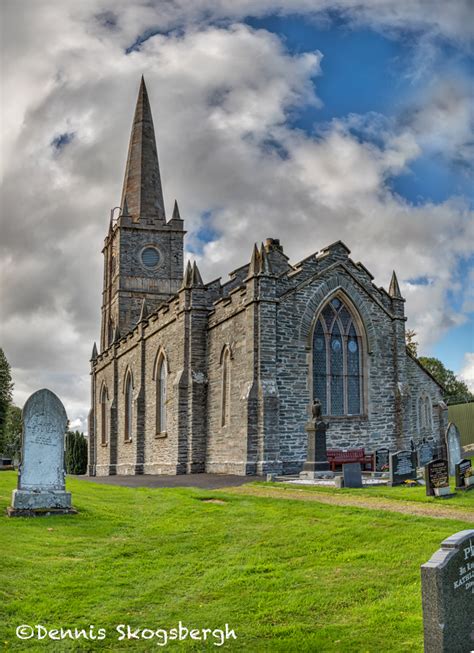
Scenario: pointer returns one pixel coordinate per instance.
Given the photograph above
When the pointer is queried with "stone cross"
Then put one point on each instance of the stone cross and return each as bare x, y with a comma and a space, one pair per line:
41, 480
447, 586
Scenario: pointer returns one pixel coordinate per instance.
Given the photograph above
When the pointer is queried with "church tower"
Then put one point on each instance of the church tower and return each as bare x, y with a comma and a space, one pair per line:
143, 253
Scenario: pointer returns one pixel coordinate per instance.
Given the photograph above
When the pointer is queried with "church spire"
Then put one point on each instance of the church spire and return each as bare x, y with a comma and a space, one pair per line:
142, 192
394, 289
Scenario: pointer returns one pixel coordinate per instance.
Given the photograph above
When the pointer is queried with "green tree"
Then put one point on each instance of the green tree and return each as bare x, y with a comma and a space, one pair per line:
6, 391
412, 344
76, 453
456, 391
10, 444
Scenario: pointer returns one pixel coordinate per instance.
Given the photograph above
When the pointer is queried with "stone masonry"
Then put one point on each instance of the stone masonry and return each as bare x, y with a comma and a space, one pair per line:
237, 356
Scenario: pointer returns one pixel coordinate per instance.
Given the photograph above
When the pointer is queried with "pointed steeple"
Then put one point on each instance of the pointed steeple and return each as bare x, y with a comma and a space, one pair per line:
94, 352
255, 262
143, 312
394, 290
188, 277
196, 279
142, 192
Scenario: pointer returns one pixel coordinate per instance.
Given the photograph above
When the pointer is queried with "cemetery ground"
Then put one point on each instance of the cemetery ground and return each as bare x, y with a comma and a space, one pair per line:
286, 575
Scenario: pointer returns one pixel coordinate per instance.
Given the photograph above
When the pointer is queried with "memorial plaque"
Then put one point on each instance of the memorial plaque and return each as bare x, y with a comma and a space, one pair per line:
425, 454
402, 466
453, 445
352, 474
41, 480
436, 476
382, 462
447, 585
462, 469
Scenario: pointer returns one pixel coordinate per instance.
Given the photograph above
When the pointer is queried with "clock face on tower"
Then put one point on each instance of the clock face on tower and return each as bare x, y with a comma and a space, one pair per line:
150, 257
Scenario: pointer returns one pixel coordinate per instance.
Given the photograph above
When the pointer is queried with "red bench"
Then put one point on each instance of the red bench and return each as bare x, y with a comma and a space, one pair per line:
341, 456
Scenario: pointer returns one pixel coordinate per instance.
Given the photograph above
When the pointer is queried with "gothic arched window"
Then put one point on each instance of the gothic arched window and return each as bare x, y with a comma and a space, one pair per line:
225, 389
103, 415
337, 361
128, 407
161, 395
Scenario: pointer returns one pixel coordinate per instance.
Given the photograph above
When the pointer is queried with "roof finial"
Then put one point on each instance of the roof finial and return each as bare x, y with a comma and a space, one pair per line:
197, 279
143, 311
394, 290
94, 352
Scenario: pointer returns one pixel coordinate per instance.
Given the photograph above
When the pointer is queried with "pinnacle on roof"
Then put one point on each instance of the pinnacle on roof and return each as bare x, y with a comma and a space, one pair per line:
143, 311
196, 278
94, 352
394, 290
188, 277
142, 195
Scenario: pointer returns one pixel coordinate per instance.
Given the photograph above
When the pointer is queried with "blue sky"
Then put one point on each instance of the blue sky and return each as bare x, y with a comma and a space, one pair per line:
366, 71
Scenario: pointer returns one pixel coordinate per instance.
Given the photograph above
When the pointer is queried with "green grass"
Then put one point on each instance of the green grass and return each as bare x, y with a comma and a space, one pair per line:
417, 493
286, 575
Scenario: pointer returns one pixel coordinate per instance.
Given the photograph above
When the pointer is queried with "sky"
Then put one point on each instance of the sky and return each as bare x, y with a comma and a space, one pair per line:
310, 121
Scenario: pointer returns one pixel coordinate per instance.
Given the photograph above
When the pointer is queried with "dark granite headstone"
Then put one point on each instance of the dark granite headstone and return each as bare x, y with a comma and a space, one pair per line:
402, 466
436, 475
352, 474
425, 454
381, 458
460, 470
447, 586
453, 446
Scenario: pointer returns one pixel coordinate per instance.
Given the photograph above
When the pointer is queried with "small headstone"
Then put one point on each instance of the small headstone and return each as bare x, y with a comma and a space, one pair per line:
41, 481
453, 445
381, 458
447, 586
463, 469
402, 466
425, 453
352, 473
436, 476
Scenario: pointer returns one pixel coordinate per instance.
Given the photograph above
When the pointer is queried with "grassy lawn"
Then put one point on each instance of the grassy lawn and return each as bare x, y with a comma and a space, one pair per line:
417, 493
285, 575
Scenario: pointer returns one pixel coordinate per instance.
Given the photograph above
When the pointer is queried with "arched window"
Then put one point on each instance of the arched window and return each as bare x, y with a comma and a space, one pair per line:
103, 415
128, 407
161, 395
225, 387
337, 361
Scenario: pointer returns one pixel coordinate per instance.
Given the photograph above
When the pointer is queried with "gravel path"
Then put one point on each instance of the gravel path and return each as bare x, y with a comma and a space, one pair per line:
410, 508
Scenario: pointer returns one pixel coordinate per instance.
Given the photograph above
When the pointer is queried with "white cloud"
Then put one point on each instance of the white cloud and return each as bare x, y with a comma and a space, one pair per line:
467, 371
220, 97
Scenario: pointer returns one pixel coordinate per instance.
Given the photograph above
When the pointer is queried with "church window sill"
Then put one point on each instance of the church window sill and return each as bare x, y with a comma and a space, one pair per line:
161, 435
127, 441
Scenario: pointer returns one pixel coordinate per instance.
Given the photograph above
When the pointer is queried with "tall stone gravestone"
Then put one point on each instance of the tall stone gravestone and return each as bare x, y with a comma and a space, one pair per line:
447, 586
41, 480
463, 469
425, 453
316, 464
453, 445
402, 466
381, 460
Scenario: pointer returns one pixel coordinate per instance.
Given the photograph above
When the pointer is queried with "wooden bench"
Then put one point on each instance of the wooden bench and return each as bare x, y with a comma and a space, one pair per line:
341, 456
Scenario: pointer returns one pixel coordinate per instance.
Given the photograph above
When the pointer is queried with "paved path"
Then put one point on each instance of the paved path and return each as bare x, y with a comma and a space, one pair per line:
369, 503
203, 481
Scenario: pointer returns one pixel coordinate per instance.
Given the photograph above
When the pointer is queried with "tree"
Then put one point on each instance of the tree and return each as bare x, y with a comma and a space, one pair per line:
6, 390
10, 441
412, 344
456, 391
76, 453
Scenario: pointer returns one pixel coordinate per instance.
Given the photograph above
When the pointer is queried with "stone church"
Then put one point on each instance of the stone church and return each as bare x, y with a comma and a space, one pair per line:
219, 377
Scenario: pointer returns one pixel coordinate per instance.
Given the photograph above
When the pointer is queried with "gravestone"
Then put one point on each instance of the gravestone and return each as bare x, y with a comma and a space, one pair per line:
402, 466
462, 469
381, 460
425, 453
352, 474
453, 446
317, 463
41, 487
447, 586
436, 476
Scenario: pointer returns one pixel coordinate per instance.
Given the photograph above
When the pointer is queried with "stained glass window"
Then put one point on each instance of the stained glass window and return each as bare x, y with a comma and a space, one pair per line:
337, 363
128, 407
161, 396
